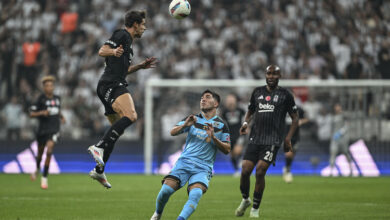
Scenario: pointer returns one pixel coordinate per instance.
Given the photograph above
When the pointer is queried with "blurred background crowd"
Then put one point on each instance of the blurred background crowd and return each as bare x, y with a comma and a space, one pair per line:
222, 39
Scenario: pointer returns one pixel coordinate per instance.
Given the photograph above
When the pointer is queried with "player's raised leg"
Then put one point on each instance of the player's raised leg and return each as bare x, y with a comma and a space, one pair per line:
168, 188
247, 168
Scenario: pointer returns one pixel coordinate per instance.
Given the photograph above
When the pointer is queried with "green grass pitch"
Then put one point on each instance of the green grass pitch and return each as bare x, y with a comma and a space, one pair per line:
76, 196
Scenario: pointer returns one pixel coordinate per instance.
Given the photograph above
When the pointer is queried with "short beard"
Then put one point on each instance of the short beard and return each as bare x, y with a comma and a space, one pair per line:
274, 85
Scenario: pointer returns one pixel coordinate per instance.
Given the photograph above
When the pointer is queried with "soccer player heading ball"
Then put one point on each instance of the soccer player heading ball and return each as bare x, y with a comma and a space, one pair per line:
112, 91
207, 133
268, 105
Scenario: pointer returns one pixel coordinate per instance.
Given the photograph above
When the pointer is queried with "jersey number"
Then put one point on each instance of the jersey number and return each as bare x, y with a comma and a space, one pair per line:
268, 156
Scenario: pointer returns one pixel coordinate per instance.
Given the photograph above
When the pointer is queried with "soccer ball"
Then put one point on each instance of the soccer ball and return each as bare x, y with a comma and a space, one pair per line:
179, 9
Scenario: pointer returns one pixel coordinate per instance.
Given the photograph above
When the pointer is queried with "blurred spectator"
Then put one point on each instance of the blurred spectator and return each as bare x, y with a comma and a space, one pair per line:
30, 71
384, 63
12, 114
354, 69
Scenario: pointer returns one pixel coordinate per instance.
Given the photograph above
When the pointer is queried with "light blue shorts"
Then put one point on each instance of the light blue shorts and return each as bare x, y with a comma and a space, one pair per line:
188, 171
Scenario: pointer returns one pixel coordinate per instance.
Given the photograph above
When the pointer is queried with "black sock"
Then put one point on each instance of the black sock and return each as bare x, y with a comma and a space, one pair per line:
106, 155
288, 163
257, 199
45, 171
244, 187
234, 162
112, 135
39, 164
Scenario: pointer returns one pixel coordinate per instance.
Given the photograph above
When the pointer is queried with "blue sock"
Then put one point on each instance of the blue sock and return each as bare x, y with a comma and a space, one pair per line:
162, 197
190, 206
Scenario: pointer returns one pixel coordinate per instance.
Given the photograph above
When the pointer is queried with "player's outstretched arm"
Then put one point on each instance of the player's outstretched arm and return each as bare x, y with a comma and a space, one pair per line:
146, 64
190, 120
107, 51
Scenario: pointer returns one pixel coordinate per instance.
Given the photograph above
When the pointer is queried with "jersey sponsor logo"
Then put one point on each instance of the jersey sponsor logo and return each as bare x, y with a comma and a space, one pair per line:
266, 107
261, 97
267, 98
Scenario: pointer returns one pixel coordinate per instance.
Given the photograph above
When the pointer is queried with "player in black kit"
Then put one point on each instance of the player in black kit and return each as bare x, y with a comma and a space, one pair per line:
268, 105
112, 91
233, 115
48, 111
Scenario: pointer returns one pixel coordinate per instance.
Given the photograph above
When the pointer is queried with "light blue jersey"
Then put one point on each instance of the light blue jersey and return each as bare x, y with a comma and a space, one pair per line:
198, 147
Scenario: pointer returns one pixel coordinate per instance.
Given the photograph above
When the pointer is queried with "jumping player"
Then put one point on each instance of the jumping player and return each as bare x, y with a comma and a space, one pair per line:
112, 91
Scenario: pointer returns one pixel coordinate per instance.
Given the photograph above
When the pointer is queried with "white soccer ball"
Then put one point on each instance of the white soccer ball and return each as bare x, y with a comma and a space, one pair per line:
179, 9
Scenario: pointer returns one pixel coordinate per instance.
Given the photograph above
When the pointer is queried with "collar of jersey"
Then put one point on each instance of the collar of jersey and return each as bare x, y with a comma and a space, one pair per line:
202, 116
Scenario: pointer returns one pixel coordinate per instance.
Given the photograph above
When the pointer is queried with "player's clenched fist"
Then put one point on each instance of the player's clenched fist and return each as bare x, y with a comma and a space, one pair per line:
118, 51
190, 120
244, 128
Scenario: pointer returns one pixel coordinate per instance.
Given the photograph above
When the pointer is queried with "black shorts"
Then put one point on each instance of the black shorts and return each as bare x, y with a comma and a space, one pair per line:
255, 152
42, 139
108, 92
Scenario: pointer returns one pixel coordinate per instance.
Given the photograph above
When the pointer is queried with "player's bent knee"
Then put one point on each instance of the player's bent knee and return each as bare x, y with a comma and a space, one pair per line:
131, 115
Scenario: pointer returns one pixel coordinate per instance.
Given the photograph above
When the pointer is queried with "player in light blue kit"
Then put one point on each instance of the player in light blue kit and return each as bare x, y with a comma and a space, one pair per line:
207, 133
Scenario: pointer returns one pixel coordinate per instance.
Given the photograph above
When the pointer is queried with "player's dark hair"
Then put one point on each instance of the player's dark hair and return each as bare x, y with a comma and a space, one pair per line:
134, 16
214, 94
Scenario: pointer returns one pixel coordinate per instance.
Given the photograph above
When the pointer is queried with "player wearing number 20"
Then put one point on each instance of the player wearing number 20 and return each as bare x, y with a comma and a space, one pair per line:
268, 108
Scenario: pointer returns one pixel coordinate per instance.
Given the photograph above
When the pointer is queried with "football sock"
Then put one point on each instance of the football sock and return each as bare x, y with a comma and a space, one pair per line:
39, 159
45, 171
193, 200
180, 218
244, 187
106, 155
162, 197
112, 135
257, 199
288, 163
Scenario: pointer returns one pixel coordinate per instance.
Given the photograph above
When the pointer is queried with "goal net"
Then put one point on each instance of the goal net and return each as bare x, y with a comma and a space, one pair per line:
365, 103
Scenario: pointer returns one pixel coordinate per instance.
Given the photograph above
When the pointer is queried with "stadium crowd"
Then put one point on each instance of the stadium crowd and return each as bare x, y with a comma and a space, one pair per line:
222, 39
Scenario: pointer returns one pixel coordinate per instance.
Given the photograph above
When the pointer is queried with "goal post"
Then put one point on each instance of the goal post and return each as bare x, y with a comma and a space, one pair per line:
362, 98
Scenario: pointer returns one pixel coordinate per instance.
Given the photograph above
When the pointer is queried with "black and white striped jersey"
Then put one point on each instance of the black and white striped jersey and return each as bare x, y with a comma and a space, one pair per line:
269, 112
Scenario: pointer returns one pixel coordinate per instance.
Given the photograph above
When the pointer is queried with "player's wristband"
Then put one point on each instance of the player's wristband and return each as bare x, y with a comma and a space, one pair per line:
245, 123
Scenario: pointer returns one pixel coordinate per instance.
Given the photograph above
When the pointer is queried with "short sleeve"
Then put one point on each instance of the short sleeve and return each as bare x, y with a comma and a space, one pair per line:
225, 137
115, 40
181, 123
252, 102
37, 106
291, 107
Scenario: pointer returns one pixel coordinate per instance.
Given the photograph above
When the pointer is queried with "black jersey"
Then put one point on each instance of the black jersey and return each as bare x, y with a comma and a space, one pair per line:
269, 111
234, 119
116, 67
48, 124
301, 115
